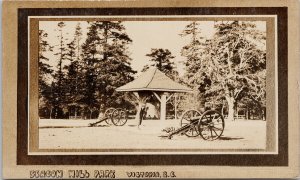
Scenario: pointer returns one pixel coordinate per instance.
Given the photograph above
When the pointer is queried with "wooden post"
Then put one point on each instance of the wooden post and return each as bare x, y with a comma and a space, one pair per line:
163, 105
138, 108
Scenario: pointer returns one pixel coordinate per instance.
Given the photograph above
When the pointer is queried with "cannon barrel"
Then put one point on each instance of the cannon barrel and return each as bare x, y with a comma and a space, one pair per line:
101, 120
184, 128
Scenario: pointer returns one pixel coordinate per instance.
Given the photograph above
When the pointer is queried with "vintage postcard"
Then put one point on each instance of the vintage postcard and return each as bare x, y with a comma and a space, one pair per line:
140, 90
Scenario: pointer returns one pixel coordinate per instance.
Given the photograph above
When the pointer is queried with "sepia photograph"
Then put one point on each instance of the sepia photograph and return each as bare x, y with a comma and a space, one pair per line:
161, 89
152, 86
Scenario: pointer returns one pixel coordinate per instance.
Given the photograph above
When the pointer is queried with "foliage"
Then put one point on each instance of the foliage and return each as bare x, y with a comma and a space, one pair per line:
162, 59
44, 67
107, 63
58, 85
233, 64
73, 78
87, 73
45, 71
193, 52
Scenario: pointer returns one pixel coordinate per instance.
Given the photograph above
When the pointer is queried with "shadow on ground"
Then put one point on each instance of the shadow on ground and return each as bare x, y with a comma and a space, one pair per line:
47, 127
230, 138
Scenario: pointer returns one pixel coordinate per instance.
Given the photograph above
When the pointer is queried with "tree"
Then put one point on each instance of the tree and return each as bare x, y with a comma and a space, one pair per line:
193, 52
59, 87
90, 57
106, 64
44, 67
45, 71
234, 61
162, 59
116, 70
193, 76
73, 72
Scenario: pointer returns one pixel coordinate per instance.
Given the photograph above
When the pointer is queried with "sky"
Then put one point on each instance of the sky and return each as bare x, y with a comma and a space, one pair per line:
144, 34
159, 34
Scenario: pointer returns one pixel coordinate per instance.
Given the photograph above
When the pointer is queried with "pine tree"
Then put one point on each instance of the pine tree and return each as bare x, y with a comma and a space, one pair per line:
162, 59
44, 74
193, 52
193, 75
107, 64
90, 56
73, 77
59, 87
115, 65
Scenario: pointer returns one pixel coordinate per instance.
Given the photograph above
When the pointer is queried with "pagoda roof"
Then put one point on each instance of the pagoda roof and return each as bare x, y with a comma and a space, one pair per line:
154, 80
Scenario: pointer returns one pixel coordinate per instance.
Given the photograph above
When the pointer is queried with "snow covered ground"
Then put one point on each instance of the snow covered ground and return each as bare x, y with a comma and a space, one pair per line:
75, 134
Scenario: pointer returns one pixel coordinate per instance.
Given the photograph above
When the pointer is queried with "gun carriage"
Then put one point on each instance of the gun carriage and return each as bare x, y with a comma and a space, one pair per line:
115, 116
209, 125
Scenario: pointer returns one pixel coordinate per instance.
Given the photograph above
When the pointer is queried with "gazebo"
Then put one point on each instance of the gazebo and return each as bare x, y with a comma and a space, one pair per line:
159, 84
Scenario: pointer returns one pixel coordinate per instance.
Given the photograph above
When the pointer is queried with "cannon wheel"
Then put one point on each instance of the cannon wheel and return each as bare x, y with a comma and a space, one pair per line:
186, 119
108, 114
119, 117
211, 125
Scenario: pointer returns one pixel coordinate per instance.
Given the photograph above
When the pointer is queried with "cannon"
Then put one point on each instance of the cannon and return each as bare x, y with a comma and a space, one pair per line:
119, 117
115, 116
209, 125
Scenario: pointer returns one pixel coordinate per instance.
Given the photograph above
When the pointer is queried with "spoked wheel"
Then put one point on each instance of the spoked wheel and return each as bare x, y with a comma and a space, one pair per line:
119, 117
186, 119
211, 125
108, 115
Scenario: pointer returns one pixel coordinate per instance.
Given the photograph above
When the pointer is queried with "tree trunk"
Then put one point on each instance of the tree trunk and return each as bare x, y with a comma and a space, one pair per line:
231, 103
69, 111
138, 111
222, 110
247, 113
51, 113
75, 113
55, 113
101, 111
264, 113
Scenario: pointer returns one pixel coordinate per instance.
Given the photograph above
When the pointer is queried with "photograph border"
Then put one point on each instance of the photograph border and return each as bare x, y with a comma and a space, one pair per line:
281, 159
271, 85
